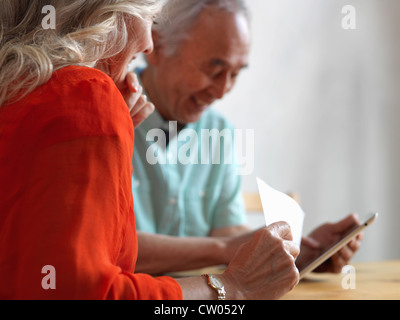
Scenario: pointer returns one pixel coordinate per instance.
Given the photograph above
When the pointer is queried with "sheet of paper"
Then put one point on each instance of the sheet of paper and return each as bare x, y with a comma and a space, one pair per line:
278, 206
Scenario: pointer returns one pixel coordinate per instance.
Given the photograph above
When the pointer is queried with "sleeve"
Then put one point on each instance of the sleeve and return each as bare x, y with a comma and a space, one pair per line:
78, 214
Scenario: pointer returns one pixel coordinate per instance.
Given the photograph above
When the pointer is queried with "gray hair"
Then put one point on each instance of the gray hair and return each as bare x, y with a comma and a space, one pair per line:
178, 17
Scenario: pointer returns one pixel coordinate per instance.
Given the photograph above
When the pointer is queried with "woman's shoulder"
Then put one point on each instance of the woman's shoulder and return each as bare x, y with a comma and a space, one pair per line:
76, 74
73, 84
85, 87
79, 78
76, 100
82, 90
88, 96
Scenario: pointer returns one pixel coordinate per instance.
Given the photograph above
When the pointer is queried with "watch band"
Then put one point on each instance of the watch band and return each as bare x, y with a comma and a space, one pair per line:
217, 285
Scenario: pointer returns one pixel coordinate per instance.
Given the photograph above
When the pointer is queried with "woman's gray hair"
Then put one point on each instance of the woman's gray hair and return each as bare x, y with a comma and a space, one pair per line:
86, 32
178, 17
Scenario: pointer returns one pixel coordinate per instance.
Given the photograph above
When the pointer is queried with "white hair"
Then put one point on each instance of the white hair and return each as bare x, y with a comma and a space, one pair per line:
87, 31
178, 17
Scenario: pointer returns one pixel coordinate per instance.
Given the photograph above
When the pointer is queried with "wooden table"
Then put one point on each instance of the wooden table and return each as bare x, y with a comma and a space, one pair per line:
373, 281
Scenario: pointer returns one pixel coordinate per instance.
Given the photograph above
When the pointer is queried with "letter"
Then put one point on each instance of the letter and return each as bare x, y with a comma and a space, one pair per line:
201, 307
49, 281
185, 310
350, 20
189, 152
349, 280
153, 155
218, 139
241, 309
212, 309
49, 21
172, 155
166, 310
175, 310
157, 311
245, 161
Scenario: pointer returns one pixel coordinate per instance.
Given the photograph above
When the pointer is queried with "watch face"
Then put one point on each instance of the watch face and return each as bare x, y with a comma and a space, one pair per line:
215, 282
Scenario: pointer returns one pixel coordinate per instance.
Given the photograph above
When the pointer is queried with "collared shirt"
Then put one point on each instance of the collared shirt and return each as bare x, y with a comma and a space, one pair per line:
190, 186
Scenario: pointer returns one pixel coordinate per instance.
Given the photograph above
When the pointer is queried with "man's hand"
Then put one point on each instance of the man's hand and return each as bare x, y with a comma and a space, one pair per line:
138, 105
324, 237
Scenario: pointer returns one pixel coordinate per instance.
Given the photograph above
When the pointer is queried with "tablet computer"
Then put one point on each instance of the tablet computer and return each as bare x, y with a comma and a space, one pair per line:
336, 247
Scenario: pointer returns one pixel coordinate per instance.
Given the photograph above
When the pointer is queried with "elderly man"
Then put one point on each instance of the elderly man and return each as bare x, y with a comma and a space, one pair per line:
191, 213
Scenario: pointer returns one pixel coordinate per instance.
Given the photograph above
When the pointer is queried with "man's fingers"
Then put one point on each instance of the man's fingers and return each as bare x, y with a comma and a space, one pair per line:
310, 242
343, 257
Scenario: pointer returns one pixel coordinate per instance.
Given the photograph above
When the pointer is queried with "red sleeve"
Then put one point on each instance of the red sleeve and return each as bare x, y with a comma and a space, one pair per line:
74, 208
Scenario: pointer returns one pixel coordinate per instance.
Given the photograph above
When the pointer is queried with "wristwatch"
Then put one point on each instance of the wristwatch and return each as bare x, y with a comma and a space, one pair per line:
217, 285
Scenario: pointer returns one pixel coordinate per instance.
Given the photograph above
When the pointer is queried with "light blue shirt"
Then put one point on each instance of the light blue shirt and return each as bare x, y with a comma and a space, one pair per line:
186, 189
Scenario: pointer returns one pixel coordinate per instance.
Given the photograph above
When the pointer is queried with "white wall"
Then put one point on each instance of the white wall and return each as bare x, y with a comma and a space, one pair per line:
324, 103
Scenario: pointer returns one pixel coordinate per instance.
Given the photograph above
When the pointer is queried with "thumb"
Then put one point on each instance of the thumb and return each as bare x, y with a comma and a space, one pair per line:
347, 223
310, 242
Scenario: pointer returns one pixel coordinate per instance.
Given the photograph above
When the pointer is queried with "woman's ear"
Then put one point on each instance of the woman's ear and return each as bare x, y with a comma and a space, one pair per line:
154, 57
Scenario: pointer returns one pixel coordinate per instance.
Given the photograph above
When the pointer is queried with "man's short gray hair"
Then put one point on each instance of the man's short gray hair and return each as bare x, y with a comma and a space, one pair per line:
178, 17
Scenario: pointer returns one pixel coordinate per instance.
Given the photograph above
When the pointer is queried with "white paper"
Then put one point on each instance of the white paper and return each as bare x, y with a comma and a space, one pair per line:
278, 206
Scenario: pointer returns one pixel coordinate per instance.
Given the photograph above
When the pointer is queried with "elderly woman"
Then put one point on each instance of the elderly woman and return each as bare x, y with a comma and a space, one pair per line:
66, 143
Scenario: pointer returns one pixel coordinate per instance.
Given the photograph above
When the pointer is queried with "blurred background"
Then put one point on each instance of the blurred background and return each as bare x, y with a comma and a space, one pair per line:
325, 105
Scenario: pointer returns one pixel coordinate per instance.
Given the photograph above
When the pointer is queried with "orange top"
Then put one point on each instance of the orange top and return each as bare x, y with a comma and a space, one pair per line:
66, 197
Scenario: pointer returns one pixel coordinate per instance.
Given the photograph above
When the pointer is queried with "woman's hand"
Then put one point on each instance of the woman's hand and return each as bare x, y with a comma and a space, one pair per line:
138, 105
264, 268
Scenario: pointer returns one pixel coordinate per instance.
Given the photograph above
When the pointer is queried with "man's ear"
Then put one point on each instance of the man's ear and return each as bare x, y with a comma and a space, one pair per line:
154, 57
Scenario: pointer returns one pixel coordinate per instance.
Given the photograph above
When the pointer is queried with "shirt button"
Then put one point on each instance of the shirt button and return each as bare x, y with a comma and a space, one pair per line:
173, 201
136, 184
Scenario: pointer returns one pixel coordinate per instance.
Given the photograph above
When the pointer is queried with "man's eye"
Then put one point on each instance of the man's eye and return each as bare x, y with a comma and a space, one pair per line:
216, 73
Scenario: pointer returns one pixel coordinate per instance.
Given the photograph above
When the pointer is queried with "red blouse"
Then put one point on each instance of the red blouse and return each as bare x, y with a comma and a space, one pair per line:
66, 197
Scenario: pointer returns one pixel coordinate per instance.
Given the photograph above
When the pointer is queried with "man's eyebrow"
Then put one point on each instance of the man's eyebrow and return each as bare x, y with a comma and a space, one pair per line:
221, 63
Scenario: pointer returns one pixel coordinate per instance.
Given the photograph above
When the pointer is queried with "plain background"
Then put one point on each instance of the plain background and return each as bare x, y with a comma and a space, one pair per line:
324, 104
